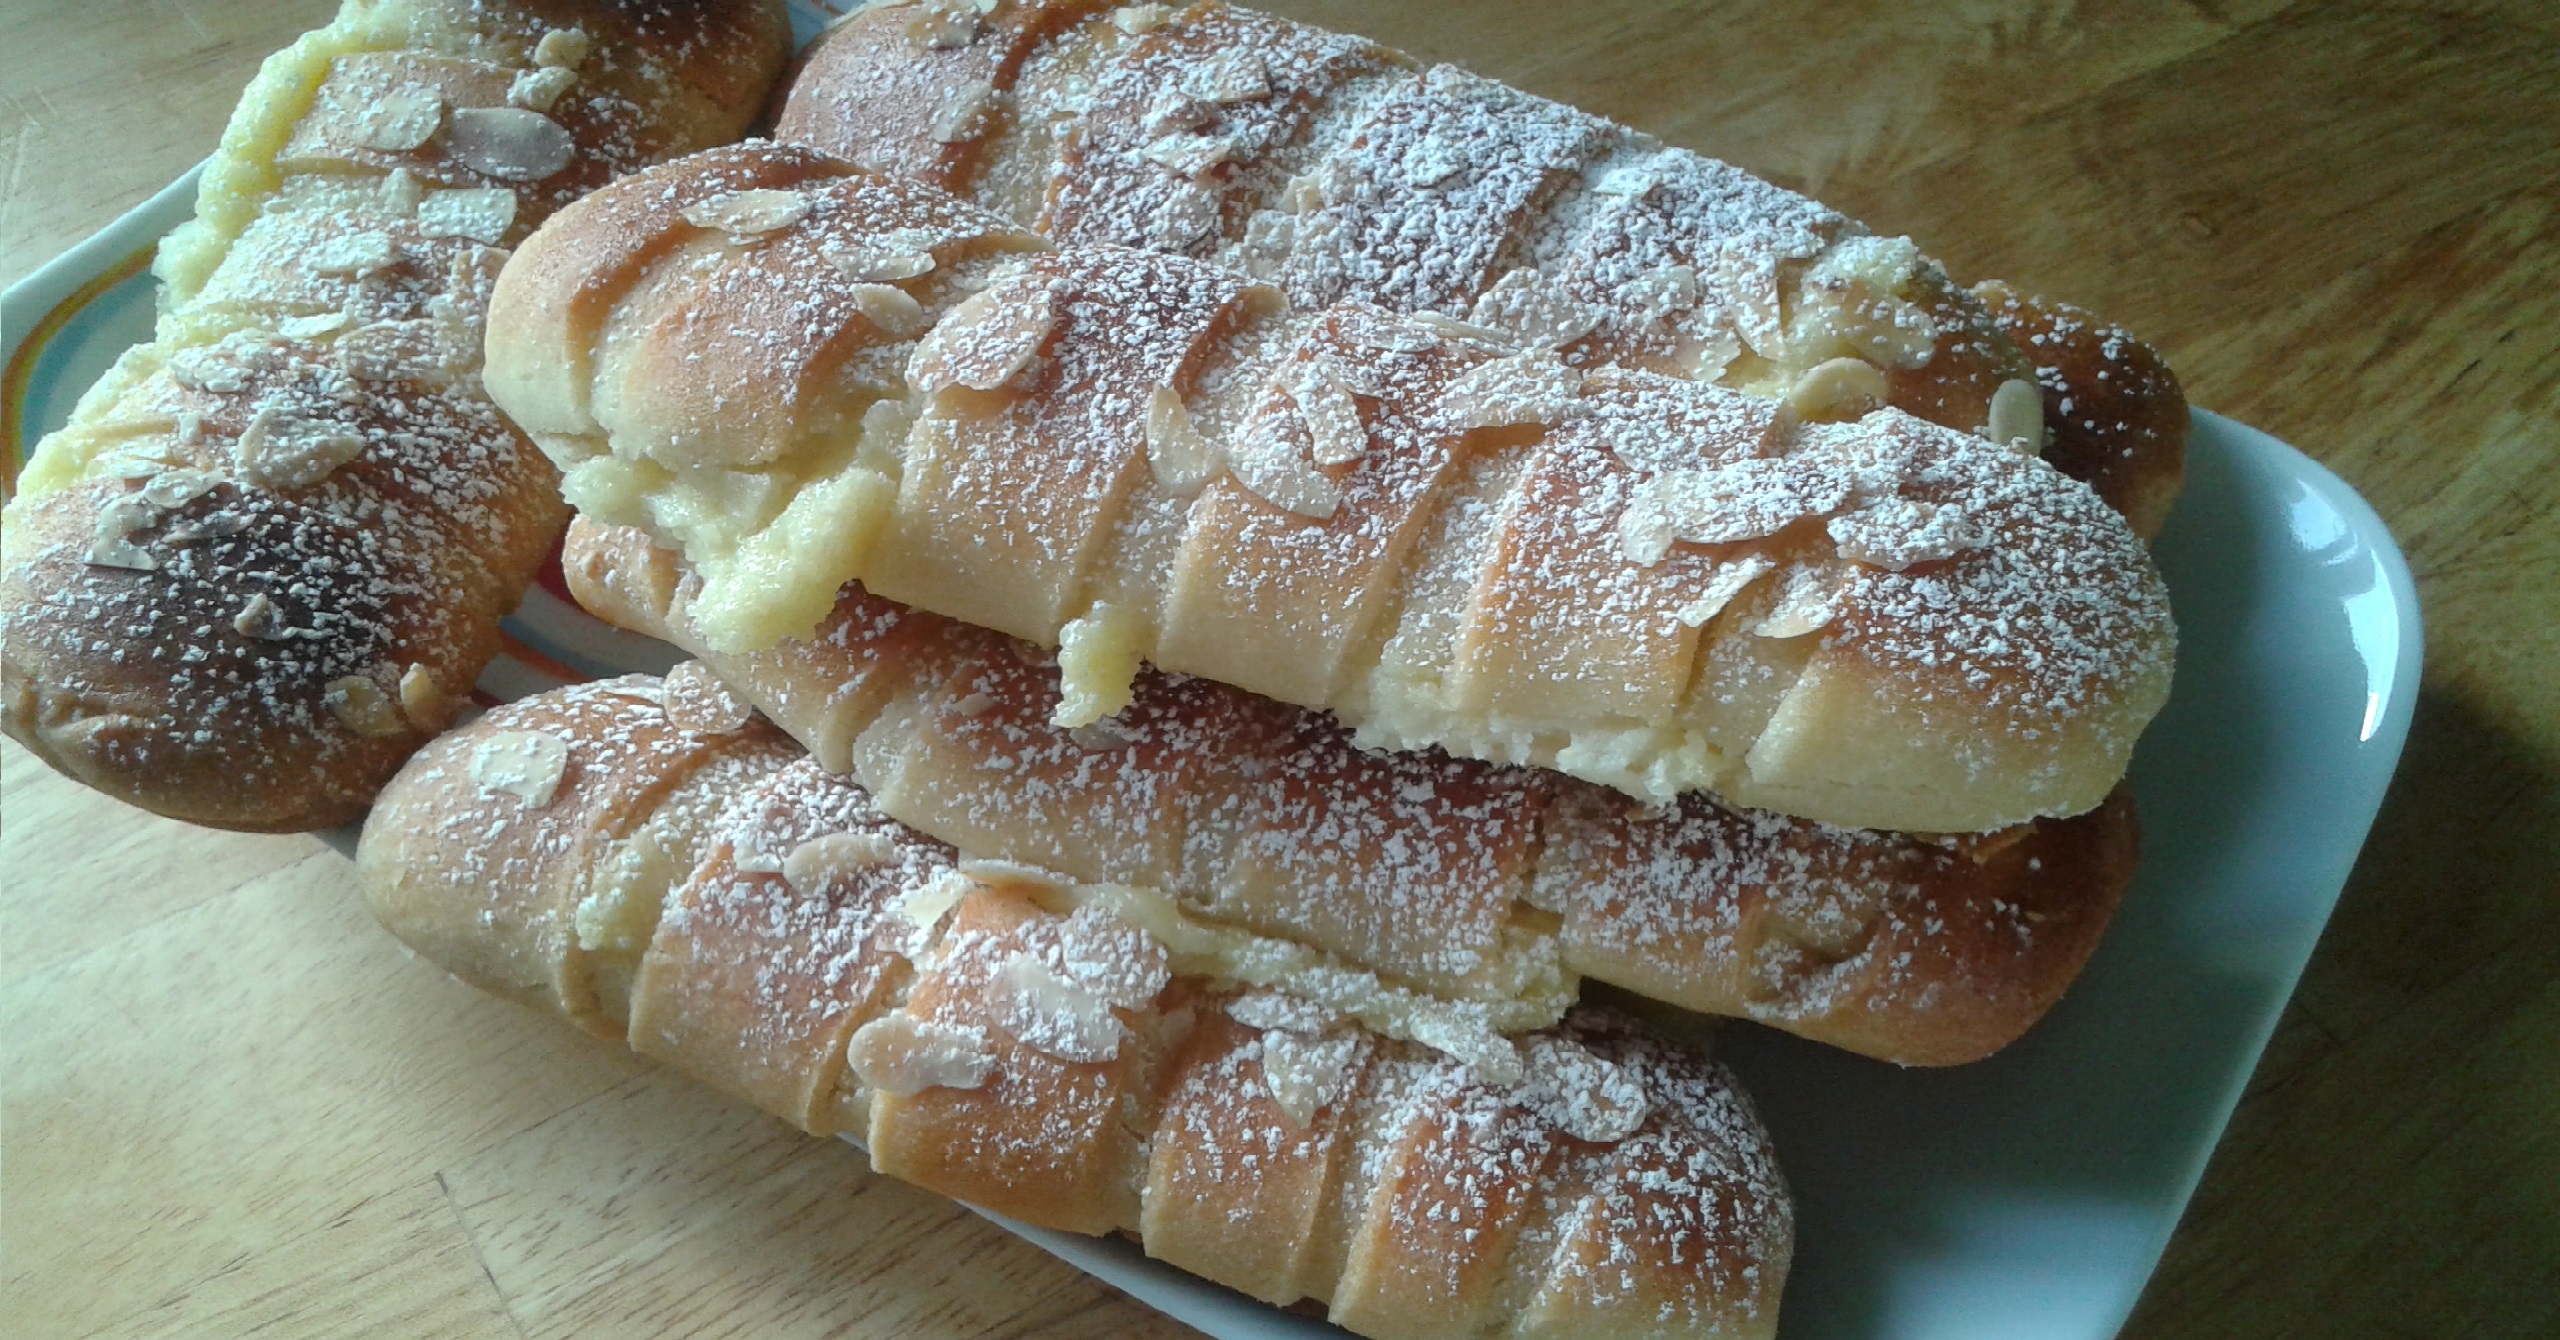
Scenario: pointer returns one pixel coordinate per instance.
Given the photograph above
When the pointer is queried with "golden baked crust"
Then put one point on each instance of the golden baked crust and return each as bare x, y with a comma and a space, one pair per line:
268, 556
1450, 874
842, 972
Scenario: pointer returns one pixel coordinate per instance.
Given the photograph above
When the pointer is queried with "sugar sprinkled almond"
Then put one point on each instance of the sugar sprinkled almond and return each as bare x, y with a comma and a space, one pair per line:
1807, 604
356, 254
312, 327
562, 49
1581, 1093
113, 545
962, 114
1305, 1073
540, 90
256, 619
401, 191
1837, 390
1894, 533
1268, 465
1138, 20
1728, 581
1531, 387
526, 764
903, 1056
1180, 458
924, 907
361, 706
813, 865
1188, 153
898, 315
1236, 75
1334, 430
699, 701
876, 264
283, 450
1048, 1013
177, 488
401, 120
995, 872
484, 215
2017, 417
750, 213
986, 341
422, 700
509, 143
1536, 309
1280, 1010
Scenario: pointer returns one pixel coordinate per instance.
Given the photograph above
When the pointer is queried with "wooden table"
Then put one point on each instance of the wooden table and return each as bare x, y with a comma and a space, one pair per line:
232, 1105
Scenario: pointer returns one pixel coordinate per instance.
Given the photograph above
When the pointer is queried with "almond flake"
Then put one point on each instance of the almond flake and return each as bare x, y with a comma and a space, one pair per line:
1838, 390
903, 1056
1137, 20
1394, 337
1180, 458
1645, 532
1236, 76
540, 90
821, 861
1466, 331
701, 702
744, 214
875, 264
483, 215
923, 908
750, 861
1749, 499
1532, 387
401, 120
177, 488
1116, 960
509, 143
1535, 308
526, 764
1580, 1093
2017, 417
356, 254
401, 191
420, 350
898, 315
422, 701
1188, 213
257, 619
962, 112
1280, 1010
1306, 1074
562, 49
361, 706
1050, 1014
1188, 154
1334, 429
1711, 353
1174, 110
998, 873
1268, 465
1894, 533
1807, 605
1728, 581
312, 327
1661, 292
113, 547
282, 450
986, 341
1460, 1032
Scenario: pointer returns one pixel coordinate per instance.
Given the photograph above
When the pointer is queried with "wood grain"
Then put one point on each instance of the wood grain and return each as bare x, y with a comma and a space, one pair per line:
229, 1105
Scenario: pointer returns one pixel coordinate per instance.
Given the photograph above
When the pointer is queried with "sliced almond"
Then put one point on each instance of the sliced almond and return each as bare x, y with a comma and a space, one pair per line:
1181, 460
1304, 1074
1112, 957
401, 191
484, 215
401, 120
1726, 582
924, 907
509, 143
526, 764
1334, 430
361, 706
1580, 1092
312, 327
1807, 604
1536, 309
1531, 387
1894, 533
283, 450
354, 254
745, 214
816, 864
177, 488
1466, 331
113, 546
1662, 292
897, 314
562, 49
1187, 153
1174, 111
540, 90
1015, 873
1048, 1013
699, 701
258, 618
868, 264
1838, 390
1269, 466
1186, 214
1236, 75
1280, 1010
903, 1056
422, 700
962, 114
2017, 417
987, 341
1137, 20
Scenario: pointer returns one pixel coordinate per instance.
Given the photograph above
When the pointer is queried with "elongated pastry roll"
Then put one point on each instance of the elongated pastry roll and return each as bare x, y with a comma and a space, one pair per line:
268, 555
634, 858
1472, 881
798, 373
1337, 169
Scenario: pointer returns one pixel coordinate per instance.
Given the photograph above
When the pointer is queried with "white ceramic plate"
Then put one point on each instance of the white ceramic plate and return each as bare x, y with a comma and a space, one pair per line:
2026, 1196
